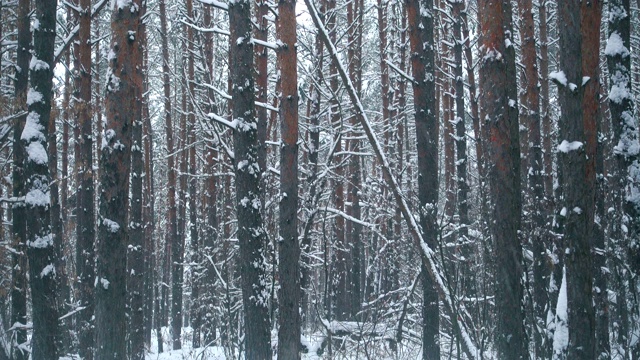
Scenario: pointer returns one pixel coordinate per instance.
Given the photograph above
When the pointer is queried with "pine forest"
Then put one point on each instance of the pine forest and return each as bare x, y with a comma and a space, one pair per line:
319, 179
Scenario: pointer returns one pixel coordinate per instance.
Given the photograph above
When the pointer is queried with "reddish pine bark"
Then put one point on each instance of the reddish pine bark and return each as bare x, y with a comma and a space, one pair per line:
530, 117
591, 19
85, 223
498, 99
289, 249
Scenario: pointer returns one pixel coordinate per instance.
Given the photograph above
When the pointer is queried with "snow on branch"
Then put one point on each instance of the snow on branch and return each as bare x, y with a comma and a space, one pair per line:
216, 4
223, 121
214, 29
272, 46
402, 73
74, 32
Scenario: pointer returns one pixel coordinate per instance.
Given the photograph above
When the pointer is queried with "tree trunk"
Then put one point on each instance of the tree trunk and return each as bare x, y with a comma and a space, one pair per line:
421, 39
353, 229
289, 249
41, 243
545, 107
210, 207
194, 313
591, 19
18, 210
460, 137
123, 111
498, 99
172, 237
148, 201
530, 117
135, 249
340, 284
573, 184
251, 236
85, 218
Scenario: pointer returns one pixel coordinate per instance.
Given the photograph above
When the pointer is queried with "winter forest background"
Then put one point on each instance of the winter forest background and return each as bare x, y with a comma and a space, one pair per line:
435, 179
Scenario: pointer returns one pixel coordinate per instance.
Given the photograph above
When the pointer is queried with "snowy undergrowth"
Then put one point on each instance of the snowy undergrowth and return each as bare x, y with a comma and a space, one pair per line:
343, 349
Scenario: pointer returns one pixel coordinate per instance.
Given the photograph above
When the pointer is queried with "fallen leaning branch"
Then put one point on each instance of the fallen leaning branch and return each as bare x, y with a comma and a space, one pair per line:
427, 253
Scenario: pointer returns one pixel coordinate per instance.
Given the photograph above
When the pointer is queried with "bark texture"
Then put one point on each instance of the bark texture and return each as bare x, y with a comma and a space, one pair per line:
251, 235
572, 166
123, 110
41, 250
85, 223
289, 248
420, 21
498, 99
19, 225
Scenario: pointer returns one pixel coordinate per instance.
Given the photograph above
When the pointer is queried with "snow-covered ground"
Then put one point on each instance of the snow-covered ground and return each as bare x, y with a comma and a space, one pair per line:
202, 353
187, 352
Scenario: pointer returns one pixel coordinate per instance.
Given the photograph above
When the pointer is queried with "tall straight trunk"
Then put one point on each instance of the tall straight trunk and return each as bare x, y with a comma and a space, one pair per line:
354, 229
63, 292
177, 264
85, 209
196, 318
475, 119
210, 239
18, 210
498, 99
386, 92
530, 117
402, 140
148, 200
41, 243
123, 110
421, 29
449, 147
625, 137
209, 246
136, 251
172, 237
591, 19
62, 280
67, 115
289, 248
545, 106
151, 273
251, 236
341, 283
98, 113
459, 121
572, 163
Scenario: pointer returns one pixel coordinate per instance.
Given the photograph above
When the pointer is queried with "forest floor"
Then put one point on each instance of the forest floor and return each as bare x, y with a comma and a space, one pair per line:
189, 353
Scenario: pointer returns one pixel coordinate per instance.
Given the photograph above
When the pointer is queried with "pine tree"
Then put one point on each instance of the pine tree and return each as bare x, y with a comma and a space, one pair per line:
19, 225
572, 167
289, 248
251, 235
41, 240
498, 98
123, 110
85, 223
